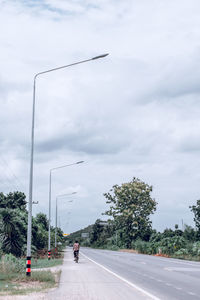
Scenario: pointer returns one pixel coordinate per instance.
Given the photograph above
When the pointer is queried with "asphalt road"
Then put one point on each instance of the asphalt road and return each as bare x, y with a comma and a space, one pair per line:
161, 278
89, 281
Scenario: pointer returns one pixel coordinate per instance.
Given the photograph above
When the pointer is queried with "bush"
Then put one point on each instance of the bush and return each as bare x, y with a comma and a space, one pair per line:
196, 248
10, 264
170, 245
113, 247
142, 246
181, 252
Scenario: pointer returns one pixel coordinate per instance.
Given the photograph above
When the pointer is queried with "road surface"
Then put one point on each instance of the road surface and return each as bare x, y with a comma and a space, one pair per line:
110, 275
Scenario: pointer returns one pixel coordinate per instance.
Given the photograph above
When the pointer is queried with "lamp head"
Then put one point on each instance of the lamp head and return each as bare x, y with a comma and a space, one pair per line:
100, 56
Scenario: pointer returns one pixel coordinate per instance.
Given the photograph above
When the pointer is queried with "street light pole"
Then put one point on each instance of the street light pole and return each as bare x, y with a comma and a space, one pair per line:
57, 198
50, 174
29, 228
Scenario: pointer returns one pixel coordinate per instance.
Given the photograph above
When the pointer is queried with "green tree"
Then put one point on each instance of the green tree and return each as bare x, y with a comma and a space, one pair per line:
177, 231
168, 232
40, 231
13, 227
189, 233
130, 207
13, 219
13, 200
196, 211
169, 245
96, 233
42, 220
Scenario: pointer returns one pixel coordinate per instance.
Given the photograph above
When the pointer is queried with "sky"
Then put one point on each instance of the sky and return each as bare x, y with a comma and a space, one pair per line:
134, 113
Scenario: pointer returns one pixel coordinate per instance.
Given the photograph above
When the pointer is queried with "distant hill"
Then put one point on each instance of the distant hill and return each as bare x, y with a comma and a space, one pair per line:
77, 235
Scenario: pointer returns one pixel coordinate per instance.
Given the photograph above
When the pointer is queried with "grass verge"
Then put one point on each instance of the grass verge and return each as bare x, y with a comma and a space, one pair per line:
37, 282
45, 263
13, 280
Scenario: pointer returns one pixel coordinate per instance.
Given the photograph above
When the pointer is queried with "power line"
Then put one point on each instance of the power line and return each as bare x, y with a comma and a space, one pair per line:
16, 179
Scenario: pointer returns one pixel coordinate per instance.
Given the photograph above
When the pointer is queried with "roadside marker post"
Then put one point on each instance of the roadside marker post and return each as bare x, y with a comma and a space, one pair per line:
28, 266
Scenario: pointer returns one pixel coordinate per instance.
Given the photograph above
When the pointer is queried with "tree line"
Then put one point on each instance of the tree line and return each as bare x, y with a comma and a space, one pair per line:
129, 225
13, 226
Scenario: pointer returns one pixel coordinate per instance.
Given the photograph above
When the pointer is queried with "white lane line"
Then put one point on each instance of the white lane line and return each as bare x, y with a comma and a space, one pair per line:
182, 269
177, 262
123, 279
178, 288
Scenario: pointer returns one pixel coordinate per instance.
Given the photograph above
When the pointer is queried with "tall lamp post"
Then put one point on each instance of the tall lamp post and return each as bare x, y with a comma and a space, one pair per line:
50, 176
57, 198
29, 229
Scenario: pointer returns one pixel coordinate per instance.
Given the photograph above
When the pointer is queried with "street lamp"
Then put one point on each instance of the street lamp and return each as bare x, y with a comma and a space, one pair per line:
50, 174
29, 229
57, 198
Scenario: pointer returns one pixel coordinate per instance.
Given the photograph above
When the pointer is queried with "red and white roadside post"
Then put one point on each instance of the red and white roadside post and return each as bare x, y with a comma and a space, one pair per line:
28, 266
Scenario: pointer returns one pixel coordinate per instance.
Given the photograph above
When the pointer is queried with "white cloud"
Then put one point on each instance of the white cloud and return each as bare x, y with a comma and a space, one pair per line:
134, 113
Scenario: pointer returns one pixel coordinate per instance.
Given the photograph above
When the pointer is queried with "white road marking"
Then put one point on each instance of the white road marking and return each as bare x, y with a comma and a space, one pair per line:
182, 269
123, 279
176, 262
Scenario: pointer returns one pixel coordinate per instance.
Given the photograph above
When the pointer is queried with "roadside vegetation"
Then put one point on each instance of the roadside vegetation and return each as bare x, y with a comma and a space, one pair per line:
13, 227
129, 226
45, 263
13, 234
14, 281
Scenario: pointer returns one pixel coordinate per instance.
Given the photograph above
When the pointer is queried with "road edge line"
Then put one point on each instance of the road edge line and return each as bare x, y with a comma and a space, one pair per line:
123, 279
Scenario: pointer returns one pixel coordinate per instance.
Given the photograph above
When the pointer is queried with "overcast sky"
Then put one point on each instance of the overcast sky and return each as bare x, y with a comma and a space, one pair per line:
134, 113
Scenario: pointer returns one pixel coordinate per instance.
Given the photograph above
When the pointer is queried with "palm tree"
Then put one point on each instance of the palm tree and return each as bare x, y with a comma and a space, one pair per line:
12, 229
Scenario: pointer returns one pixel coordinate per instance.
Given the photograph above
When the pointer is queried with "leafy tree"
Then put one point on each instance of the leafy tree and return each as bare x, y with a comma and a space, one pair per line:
13, 225
171, 244
42, 220
177, 231
155, 236
102, 234
96, 232
13, 200
60, 236
13, 229
130, 207
189, 233
13, 219
168, 233
40, 231
196, 210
